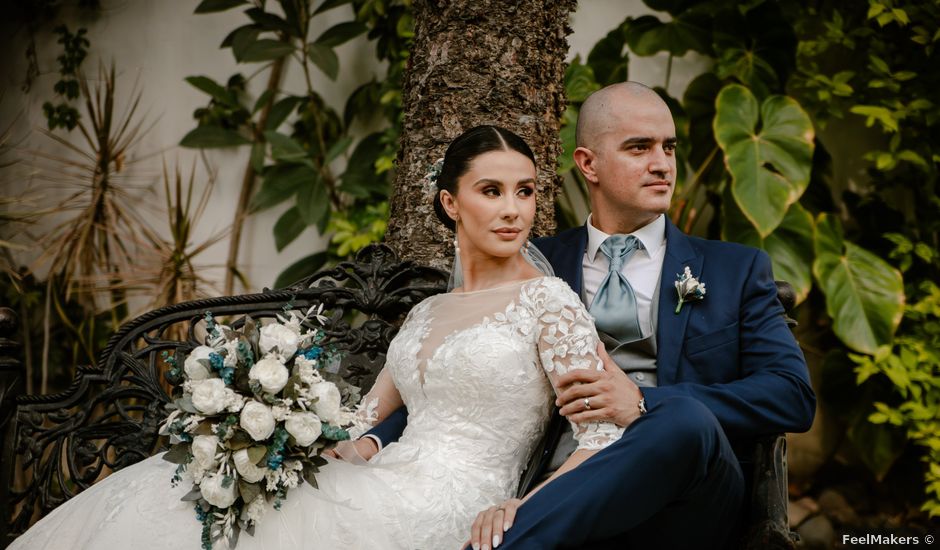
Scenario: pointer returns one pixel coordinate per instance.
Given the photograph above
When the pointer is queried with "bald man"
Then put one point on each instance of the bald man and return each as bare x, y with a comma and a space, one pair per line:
694, 383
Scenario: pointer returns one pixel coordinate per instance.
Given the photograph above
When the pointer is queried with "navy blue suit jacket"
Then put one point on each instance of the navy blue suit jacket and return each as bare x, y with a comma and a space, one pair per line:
732, 350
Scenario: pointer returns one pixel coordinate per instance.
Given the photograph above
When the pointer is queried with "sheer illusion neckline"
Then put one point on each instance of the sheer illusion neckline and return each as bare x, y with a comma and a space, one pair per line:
497, 287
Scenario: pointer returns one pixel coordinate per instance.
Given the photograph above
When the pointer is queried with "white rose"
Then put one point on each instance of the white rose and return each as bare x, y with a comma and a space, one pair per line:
257, 420
246, 468
305, 427
204, 449
215, 494
279, 336
194, 369
328, 401
271, 373
209, 396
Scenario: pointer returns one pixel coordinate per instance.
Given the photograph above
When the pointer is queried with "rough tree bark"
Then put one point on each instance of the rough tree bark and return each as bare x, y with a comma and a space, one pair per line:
477, 62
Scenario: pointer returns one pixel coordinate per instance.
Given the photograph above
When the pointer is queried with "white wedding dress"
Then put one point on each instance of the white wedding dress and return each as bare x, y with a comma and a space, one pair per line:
471, 368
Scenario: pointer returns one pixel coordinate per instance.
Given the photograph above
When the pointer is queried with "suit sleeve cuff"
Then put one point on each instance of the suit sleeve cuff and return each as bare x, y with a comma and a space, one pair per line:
378, 442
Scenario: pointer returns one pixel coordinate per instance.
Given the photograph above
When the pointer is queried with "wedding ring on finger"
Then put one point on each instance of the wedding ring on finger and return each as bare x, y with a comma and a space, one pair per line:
587, 403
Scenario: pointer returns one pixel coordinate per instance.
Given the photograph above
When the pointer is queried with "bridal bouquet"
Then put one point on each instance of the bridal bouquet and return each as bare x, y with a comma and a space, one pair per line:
255, 412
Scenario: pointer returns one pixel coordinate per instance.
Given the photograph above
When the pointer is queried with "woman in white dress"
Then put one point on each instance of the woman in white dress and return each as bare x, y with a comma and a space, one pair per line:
473, 366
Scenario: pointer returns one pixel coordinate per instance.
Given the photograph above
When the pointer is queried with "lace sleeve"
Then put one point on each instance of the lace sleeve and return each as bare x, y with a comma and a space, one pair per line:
567, 341
381, 400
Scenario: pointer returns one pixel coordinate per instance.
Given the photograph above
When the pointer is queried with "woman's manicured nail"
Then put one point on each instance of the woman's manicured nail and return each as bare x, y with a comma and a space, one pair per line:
476, 546
495, 541
506, 526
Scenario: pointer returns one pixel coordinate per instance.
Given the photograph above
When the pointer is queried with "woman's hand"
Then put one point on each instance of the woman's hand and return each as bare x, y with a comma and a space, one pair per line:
356, 452
487, 530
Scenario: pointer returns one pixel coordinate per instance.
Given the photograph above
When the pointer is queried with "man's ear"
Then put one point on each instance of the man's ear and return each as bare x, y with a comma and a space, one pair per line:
449, 202
585, 158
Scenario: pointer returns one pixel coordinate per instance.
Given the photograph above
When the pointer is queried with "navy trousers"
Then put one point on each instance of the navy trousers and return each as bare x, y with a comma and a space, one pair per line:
671, 482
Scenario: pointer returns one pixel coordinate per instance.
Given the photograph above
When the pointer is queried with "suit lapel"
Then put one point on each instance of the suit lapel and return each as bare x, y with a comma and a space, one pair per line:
671, 326
569, 261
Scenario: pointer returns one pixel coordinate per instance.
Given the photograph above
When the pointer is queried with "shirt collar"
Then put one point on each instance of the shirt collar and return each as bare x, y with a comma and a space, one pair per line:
652, 235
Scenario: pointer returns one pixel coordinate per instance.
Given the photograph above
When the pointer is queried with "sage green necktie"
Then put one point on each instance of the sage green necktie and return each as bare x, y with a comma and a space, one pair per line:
614, 306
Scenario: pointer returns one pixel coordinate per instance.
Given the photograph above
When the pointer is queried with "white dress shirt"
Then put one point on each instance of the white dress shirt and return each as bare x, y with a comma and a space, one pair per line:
644, 269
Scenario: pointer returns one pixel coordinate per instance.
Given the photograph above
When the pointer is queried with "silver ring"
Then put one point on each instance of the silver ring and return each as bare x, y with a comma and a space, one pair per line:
587, 403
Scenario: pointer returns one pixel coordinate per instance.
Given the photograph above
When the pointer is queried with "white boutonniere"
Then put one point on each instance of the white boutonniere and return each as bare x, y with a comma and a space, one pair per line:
689, 288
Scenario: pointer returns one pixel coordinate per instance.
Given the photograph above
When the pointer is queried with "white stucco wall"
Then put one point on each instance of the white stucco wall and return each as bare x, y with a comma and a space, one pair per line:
157, 44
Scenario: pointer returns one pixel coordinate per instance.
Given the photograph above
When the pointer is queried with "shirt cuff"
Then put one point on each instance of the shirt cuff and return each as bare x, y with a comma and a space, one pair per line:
378, 442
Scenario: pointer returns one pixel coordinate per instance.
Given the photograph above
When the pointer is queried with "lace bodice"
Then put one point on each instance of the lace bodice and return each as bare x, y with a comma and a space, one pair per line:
475, 370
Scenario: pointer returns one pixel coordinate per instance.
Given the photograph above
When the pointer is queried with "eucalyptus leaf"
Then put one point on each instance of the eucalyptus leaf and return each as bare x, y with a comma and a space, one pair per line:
324, 58
178, 454
213, 137
210, 6
192, 496
265, 49
310, 476
185, 404
256, 454
249, 491
288, 227
769, 152
864, 294
239, 440
341, 33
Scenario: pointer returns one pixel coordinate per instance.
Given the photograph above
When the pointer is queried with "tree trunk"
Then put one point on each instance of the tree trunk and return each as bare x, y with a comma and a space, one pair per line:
477, 62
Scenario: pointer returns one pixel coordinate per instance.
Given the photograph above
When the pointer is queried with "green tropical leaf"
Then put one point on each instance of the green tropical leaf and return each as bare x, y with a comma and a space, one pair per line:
241, 39
285, 148
313, 204
363, 102
262, 100
213, 136
265, 49
338, 148
303, 267
280, 111
210, 6
269, 21
608, 58
864, 294
211, 87
280, 183
568, 139
579, 81
330, 4
324, 58
360, 179
288, 227
647, 35
790, 246
768, 152
341, 33
878, 445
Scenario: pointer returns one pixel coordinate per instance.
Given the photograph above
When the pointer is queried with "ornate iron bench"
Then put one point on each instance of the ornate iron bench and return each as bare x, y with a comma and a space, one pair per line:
55, 446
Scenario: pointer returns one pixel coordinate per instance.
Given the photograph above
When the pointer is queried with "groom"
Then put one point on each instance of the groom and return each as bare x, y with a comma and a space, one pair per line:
696, 382
692, 384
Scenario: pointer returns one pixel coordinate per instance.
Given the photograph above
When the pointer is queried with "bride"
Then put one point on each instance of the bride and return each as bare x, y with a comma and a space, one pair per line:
475, 368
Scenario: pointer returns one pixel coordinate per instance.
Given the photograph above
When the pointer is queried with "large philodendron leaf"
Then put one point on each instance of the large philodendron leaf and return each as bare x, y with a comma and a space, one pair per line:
864, 294
790, 246
769, 152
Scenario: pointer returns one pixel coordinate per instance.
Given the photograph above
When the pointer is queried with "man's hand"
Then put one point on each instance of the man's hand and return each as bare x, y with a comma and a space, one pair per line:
487, 530
353, 451
611, 394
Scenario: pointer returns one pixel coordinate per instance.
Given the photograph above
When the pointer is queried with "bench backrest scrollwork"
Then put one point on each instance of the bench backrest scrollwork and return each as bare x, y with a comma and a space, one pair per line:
55, 446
